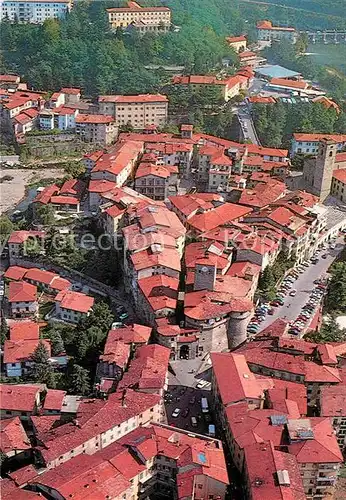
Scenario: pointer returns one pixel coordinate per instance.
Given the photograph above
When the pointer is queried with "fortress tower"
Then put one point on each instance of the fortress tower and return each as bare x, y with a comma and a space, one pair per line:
318, 172
239, 319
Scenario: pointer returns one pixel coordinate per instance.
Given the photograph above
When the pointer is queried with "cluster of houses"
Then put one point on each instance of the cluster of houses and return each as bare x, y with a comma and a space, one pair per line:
283, 414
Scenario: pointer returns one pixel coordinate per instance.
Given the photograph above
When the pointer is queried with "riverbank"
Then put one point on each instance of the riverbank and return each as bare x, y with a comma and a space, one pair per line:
12, 192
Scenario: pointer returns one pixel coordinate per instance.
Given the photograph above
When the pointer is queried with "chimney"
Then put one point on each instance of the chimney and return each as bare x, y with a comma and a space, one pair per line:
123, 398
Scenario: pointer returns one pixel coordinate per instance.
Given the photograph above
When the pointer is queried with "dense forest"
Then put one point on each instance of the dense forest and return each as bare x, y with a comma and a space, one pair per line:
82, 51
276, 123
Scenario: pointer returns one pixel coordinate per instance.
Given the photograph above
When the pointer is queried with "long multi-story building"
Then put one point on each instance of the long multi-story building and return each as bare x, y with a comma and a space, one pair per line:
139, 111
267, 32
140, 18
34, 11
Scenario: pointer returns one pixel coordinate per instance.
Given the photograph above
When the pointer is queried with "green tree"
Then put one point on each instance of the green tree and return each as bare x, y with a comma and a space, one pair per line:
3, 330
101, 316
44, 214
75, 169
53, 333
78, 381
336, 296
42, 370
330, 332
6, 228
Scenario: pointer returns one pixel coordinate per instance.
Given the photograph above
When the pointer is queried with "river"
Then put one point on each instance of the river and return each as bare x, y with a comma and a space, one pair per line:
329, 55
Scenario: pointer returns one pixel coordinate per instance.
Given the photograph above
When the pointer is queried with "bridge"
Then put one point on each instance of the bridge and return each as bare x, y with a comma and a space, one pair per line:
326, 36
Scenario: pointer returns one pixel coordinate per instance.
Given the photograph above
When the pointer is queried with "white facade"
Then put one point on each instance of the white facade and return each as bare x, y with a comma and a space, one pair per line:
23, 309
310, 147
30, 11
68, 314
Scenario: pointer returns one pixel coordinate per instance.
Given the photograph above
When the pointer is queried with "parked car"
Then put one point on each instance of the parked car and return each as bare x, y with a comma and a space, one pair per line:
185, 412
293, 293
176, 413
324, 256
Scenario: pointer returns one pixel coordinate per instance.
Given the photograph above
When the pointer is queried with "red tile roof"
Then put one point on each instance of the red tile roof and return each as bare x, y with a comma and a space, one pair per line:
148, 370
116, 352
45, 195
268, 25
263, 463
20, 291
23, 236
284, 390
149, 169
94, 119
64, 200
284, 82
21, 351
333, 401
229, 366
13, 436
24, 330
9, 491
40, 275
75, 301
139, 98
262, 100
121, 156
190, 203
219, 216
263, 194
134, 334
340, 175
95, 417
302, 137
70, 90
101, 186
244, 269
323, 448
70, 479
15, 273
263, 151
54, 399
234, 39
10, 78
167, 257
340, 157
19, 397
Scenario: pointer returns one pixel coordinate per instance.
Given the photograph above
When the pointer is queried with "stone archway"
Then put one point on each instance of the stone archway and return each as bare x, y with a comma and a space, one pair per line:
184, 352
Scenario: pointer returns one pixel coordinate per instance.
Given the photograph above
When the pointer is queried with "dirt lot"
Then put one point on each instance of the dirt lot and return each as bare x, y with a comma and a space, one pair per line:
12, 192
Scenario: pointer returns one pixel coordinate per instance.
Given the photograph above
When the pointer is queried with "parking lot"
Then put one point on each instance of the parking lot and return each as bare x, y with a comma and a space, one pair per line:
188, 400
304, 286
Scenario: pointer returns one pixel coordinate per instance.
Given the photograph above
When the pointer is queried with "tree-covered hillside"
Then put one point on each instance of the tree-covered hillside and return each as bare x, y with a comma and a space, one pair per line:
81, 51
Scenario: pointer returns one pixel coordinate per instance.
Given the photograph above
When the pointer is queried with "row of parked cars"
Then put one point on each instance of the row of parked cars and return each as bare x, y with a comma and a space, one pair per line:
309, 309
260, 315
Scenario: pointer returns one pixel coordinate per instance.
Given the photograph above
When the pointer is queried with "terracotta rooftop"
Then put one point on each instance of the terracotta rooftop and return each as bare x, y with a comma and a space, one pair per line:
75, 301
19, 397
20, 291
13, 436
229, 366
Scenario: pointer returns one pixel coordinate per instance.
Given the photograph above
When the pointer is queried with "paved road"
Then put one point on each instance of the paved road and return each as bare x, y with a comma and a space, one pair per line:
184, 395
304, 286
247, 124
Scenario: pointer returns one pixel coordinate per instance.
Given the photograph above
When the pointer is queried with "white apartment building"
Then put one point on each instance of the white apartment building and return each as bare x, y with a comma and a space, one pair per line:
140, 111
34, 11
134, 14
